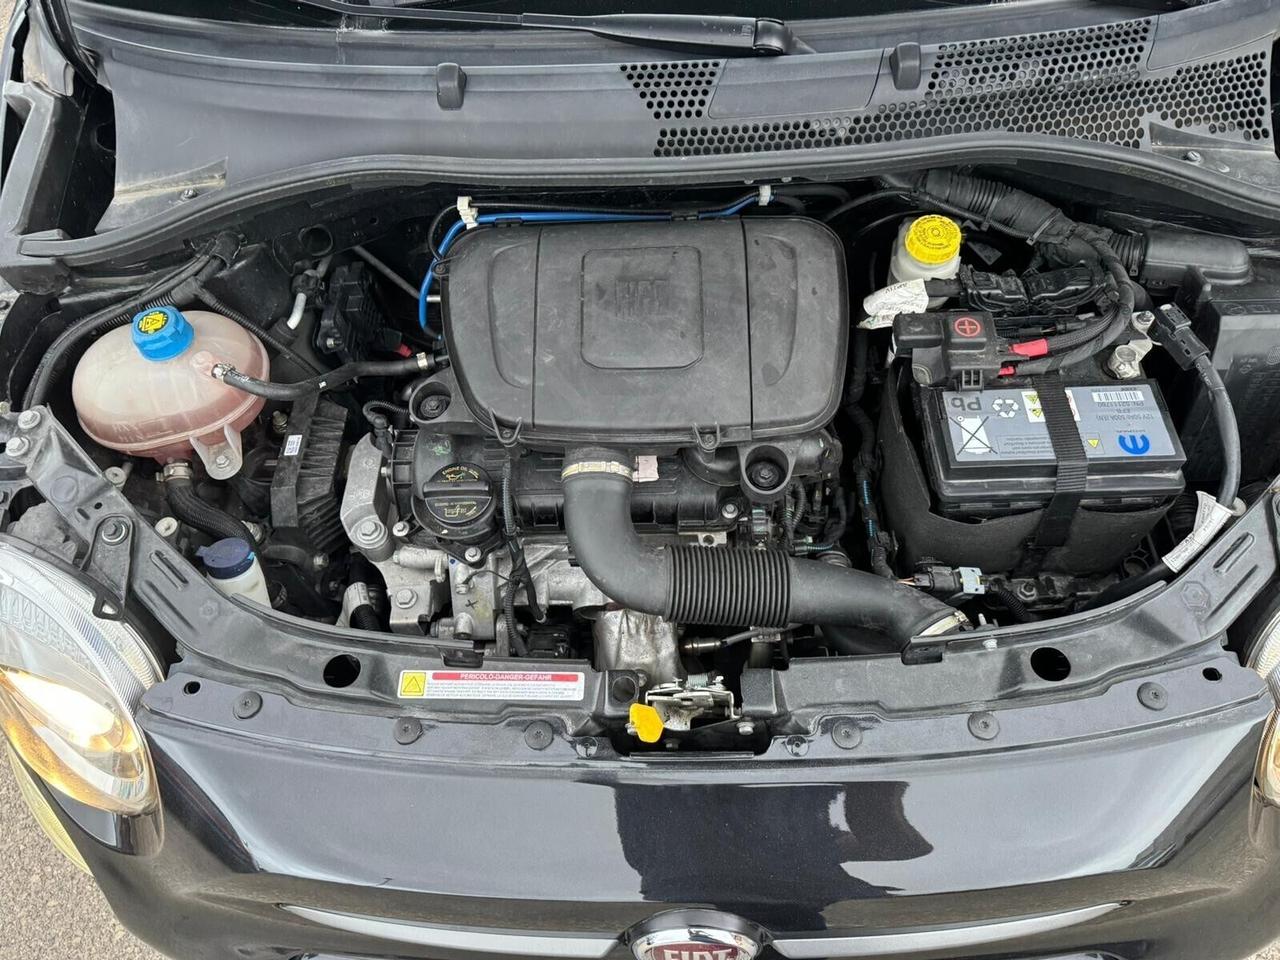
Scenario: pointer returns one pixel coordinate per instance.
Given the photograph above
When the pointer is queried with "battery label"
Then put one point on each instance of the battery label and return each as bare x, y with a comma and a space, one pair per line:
1117, 396
490, 685
1008, 424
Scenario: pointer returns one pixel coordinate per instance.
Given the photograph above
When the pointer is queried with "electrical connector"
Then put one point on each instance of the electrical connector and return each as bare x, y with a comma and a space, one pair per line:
1172, 330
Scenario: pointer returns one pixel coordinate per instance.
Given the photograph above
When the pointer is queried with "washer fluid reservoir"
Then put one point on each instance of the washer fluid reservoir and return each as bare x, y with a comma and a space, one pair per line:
146, 389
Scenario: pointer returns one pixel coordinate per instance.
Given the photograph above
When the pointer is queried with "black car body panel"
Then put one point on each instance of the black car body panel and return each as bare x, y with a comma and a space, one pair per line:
327, 812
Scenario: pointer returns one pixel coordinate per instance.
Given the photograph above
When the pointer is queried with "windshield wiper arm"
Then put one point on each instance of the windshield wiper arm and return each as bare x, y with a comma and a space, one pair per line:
745, 35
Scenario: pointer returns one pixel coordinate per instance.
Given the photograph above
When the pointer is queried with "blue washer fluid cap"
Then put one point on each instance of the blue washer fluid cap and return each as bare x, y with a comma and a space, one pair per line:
162, 333
226, 558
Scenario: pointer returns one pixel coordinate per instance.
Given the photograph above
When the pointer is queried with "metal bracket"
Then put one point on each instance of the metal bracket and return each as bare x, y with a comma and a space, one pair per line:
109, 560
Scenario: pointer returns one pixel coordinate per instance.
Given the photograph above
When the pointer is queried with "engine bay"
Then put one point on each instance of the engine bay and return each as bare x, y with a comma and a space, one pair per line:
687, 442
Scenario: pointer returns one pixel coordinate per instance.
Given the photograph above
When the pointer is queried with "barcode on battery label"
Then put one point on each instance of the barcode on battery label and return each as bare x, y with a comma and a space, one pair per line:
490, 685
1118, 396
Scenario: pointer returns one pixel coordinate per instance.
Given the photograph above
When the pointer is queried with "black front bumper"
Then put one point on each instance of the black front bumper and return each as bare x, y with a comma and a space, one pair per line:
299, 831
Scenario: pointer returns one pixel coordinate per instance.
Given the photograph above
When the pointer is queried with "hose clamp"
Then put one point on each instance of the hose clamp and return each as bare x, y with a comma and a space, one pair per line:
178, 470
956, 620
584, 467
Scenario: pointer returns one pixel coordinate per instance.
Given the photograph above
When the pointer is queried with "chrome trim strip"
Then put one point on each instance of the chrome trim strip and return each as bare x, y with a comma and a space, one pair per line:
937, 938
462, 938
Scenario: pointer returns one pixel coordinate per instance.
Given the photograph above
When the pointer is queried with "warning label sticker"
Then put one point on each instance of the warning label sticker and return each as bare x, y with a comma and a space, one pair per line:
489, 685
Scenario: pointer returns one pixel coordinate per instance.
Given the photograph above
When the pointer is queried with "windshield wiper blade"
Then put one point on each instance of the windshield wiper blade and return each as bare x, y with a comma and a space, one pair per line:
744, 35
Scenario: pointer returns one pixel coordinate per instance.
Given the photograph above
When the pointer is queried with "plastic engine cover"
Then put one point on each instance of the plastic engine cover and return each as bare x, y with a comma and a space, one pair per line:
642, 333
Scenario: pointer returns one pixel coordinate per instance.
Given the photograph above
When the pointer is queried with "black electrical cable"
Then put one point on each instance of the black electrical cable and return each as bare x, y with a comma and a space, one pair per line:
109, 318
862, 201
420, 363
1012, 602
372, 408
1224, 416
828, 190
238, 318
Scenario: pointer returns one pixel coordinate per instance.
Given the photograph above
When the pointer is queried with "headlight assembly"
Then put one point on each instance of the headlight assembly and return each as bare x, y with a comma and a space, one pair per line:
69, 683
1264, 657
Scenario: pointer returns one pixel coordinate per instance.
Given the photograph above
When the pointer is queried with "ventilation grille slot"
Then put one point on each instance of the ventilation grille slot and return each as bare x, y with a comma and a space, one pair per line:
679, 90
1084, 84
1091, 54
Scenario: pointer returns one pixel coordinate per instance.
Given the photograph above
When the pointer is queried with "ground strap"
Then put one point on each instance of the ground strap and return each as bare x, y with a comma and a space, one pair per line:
1072, 476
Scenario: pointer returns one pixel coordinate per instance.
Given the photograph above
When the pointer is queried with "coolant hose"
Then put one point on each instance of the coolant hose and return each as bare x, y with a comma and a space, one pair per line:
419, 363
724, 586
191, 510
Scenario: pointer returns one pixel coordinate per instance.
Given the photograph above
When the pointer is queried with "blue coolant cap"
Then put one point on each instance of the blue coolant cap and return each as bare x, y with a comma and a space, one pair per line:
162, 333
226, 558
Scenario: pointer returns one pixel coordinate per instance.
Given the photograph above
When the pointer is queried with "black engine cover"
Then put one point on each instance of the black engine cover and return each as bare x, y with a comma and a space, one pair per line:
642, 333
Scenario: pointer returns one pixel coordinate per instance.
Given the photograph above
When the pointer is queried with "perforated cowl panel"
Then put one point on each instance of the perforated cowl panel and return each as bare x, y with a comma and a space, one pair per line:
1089, 83
674, 91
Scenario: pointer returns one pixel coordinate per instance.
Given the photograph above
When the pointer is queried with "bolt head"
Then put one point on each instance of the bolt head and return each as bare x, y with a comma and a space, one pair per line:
28, 419
730, 511
167, 526
984, 725
746, 727
538, 735
1193, 156
114, 531
765, 475
846, 734
406, 598
408, 729
248, 705
432, 407
797, 746
17, 446
1153, 696
401, 529
473, 555
221, 460
190, 193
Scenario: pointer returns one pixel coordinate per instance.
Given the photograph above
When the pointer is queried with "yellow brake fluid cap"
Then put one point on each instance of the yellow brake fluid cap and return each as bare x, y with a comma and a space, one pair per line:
933, 239
647, 722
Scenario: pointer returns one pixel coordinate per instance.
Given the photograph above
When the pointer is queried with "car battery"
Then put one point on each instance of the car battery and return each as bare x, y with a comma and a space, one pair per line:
989, 453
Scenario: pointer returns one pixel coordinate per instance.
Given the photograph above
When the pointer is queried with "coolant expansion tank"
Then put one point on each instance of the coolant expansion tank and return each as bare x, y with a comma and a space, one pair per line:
146, 390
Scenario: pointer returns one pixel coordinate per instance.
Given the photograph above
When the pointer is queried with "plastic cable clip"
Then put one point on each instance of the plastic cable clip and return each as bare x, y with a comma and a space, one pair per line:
466, 211
766, 194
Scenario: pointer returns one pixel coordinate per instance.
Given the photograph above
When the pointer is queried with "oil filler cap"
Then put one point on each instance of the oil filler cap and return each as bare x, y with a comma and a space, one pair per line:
162, 333
460, 502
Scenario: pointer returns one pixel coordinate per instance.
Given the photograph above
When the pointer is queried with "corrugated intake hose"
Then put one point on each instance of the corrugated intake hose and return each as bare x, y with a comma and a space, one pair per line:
364, 617
194, 512
725, 586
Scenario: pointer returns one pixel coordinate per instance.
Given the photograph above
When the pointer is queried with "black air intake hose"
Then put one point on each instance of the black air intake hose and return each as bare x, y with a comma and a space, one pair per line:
1158, 256
724, 586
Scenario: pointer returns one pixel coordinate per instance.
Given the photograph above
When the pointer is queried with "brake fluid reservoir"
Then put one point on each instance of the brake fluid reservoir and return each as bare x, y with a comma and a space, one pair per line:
927, 248
146, 389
